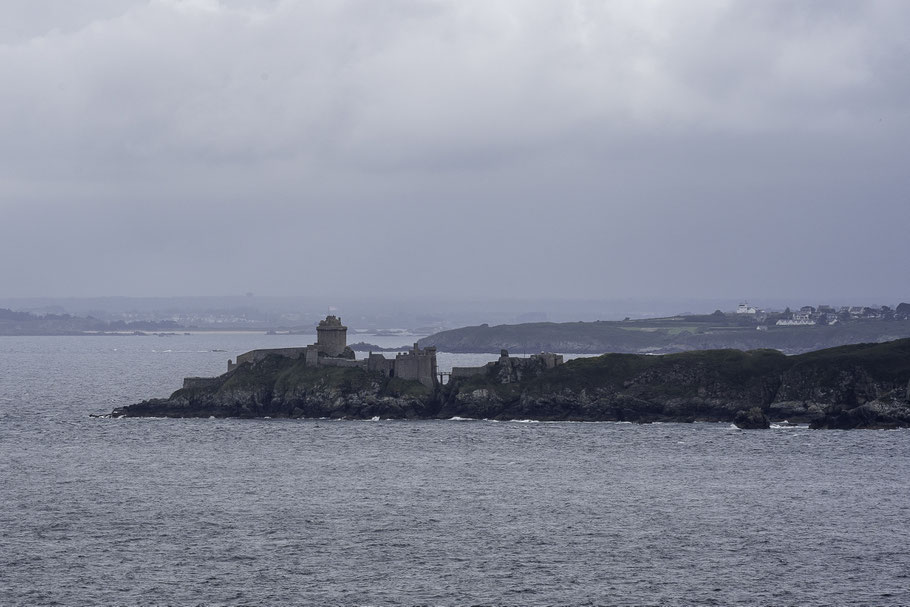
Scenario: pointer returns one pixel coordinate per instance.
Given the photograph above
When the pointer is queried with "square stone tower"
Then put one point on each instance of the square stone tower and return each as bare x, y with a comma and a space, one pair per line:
331, 336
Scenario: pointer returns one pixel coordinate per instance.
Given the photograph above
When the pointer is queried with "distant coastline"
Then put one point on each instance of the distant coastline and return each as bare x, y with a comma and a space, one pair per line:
807, 329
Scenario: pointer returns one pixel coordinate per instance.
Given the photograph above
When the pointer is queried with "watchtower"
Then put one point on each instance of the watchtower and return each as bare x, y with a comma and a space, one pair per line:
331, 336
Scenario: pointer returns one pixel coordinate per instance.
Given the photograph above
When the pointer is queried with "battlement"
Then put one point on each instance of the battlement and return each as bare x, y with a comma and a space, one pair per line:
331, 322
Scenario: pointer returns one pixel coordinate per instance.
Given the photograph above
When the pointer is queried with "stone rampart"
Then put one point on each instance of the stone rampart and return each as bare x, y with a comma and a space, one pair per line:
417, 365
470, 371
341, 362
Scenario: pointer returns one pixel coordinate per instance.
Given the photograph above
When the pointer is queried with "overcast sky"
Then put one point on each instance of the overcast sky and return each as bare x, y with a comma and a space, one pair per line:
464, 148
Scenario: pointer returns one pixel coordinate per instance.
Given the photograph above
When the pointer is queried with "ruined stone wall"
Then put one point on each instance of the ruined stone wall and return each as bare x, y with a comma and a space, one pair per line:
332, 342
549, 359
380, 364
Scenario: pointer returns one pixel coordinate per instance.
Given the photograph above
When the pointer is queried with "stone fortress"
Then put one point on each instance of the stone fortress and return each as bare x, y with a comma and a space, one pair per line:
331, 350
418, 364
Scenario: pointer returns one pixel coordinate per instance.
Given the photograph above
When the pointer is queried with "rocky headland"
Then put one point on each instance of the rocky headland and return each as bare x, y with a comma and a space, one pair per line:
856, 386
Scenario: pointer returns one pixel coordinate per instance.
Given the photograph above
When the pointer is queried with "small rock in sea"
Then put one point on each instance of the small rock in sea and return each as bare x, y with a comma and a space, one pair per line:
753, 419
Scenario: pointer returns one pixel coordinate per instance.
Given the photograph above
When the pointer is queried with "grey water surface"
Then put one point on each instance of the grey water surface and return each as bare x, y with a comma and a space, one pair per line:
272, 512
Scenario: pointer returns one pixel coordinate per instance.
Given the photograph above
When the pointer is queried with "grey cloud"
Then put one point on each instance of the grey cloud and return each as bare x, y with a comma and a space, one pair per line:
580, 149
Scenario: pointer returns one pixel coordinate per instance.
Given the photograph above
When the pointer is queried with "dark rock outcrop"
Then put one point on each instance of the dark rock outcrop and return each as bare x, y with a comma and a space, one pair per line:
860, 386
753, 419
283, 387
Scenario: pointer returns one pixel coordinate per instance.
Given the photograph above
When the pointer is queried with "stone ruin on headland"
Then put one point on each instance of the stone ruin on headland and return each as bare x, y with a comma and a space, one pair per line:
417, 364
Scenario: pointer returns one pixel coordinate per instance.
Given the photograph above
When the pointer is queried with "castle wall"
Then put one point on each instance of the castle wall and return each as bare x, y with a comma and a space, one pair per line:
342, 362
469, 371
419, 365
381, 364
312, 355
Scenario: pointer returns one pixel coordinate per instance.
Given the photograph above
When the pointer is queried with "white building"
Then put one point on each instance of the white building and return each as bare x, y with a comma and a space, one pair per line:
745, 308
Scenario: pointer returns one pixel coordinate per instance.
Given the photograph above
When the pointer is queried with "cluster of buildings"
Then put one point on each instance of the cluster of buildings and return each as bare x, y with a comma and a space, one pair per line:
331, 350
823, 315
417, 364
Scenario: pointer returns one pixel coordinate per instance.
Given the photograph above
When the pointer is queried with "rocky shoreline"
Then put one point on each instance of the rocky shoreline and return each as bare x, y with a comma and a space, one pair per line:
858, 386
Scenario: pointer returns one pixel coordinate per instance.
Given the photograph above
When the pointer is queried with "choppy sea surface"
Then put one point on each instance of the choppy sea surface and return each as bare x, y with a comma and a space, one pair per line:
278, 512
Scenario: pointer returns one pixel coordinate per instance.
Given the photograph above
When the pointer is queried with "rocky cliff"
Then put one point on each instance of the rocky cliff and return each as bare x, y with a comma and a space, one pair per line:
277, 386
859, 386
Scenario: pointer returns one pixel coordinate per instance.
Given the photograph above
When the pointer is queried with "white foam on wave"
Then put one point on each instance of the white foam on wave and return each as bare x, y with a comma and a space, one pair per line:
525, 421
461, 419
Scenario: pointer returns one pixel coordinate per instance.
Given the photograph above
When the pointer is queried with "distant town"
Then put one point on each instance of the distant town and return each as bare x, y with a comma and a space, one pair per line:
821, 315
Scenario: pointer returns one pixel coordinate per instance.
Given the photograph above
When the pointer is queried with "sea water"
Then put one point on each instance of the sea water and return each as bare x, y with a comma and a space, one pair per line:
254, 512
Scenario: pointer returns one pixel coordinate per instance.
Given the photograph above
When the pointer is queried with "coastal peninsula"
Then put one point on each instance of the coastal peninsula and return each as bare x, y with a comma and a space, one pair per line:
747, 328
856, 386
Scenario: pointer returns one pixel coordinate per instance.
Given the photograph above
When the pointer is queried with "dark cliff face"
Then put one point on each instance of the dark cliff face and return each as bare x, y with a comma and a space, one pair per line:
862, 386
853, 386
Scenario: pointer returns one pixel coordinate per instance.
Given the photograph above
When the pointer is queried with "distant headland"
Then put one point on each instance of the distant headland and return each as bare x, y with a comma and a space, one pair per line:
856, 386
747, 328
